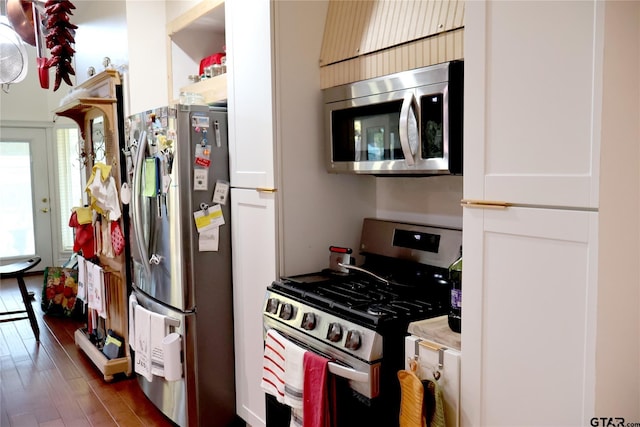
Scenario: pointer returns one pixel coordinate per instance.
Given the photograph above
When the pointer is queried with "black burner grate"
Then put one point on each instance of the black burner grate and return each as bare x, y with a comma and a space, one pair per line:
366, 300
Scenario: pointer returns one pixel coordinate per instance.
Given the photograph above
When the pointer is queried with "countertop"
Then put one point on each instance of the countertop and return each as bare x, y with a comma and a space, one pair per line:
437, 330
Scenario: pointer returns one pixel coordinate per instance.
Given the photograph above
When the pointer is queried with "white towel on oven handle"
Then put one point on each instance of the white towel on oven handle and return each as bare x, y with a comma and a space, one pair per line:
293, 374
294, 381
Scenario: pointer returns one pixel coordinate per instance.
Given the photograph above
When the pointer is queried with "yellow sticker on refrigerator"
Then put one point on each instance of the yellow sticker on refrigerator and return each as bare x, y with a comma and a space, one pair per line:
208, 217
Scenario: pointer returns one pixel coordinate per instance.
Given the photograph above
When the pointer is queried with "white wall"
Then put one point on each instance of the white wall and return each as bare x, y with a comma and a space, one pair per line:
102, 33
175, 8
431, 200
26, 100
310, 198
618, 350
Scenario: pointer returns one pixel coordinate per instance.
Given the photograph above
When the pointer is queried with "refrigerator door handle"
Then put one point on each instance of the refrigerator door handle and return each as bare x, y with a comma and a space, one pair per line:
135, 203
169, 322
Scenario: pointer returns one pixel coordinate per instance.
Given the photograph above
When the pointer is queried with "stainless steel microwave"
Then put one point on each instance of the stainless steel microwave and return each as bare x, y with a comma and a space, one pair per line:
407, 123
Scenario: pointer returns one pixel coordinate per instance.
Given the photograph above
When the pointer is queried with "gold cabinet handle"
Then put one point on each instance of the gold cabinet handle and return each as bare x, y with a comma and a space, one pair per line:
484, 204
266, 190
45, 210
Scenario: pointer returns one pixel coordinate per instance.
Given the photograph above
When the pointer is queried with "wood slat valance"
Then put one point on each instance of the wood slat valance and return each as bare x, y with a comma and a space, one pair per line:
379, 32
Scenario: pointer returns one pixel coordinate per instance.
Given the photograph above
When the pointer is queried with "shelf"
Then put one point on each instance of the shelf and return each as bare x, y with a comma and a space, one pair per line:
212, 90
192, 36
208, 14
82, 105
108, 367
78, 108
99, 92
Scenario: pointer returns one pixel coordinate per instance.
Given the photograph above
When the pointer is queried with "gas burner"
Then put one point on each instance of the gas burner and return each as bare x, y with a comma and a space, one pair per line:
375, 309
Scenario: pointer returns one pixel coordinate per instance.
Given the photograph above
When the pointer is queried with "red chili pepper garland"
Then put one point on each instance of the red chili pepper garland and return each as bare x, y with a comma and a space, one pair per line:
59, 39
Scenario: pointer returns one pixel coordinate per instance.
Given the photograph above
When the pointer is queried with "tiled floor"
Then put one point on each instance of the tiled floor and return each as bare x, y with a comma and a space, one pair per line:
52, 383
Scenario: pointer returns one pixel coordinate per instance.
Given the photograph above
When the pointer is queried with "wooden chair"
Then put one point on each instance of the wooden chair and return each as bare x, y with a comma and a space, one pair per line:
17, 270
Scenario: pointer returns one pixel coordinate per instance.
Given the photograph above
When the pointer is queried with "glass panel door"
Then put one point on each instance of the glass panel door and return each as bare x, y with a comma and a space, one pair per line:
367, 133
18, 229
25, 211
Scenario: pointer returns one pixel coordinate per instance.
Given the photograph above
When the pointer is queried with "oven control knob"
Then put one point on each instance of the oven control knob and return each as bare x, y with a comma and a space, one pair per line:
353, 340
308, 321
272, 305
286, 312
335, 332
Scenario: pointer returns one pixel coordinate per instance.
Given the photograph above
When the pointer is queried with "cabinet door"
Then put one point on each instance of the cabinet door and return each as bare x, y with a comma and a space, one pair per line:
254, 267
250, 99
533, 88
529, 312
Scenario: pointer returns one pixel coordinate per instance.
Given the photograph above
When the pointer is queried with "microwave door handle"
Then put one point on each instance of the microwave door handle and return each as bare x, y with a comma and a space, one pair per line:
409, 107
135, 202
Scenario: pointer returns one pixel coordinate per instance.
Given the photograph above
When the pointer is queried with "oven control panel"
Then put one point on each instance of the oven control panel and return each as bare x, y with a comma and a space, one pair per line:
326, 329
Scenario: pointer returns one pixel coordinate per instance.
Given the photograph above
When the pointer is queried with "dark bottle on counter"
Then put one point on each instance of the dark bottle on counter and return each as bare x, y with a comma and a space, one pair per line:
455, 310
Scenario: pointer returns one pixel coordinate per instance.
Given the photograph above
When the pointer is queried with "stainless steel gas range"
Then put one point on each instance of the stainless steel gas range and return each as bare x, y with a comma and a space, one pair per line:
357, 316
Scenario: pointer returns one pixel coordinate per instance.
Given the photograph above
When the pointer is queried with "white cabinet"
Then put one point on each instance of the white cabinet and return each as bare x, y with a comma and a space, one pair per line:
251, 161
529, 295
546, 114
532, 96
532, 102
250, 101
254, 246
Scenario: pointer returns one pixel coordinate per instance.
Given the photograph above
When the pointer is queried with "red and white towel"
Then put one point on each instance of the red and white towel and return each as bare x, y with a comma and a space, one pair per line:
299, 379
273, 365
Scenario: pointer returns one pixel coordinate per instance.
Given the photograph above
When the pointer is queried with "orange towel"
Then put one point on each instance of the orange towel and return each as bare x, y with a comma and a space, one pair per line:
412, 396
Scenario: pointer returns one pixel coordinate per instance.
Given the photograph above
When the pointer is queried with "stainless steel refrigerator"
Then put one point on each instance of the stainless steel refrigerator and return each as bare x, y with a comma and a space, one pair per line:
181, 269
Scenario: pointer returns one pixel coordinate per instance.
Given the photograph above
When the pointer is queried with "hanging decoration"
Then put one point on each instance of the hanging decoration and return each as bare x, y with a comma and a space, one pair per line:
59, 39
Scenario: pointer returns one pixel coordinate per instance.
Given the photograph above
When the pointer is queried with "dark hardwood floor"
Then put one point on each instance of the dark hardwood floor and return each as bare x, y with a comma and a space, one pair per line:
53, 383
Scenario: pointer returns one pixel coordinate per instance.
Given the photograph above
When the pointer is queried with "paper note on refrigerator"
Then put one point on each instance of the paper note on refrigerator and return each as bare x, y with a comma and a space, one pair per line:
220, 192
208, 240
209, 218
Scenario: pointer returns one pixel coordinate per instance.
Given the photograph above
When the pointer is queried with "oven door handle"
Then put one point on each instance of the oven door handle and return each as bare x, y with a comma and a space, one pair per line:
348, 373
